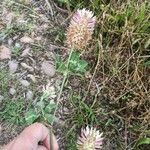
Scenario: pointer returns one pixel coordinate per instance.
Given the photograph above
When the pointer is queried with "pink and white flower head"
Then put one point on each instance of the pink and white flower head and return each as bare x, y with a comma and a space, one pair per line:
90, 139
80, 29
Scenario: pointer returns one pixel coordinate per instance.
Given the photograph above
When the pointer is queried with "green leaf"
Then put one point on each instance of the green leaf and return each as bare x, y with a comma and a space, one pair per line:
62, 68
40, 105
50, 107
60, 65
45, 96
141, 15
75, 56
58, 61
63, 1
50, 118
30, 116
142, 141
81, 66
147, 63
77, 65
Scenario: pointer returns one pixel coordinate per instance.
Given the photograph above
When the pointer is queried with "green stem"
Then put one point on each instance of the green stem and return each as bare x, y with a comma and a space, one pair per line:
42, 111
63, 82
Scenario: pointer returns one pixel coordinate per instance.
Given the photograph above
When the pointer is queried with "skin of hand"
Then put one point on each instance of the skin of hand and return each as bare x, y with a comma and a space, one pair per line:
30, 137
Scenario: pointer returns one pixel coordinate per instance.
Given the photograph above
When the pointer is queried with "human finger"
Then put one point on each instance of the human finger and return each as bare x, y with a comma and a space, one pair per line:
35, 133
40, 147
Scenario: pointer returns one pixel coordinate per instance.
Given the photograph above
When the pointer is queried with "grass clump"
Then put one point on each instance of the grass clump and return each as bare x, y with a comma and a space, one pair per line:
4, 80
12, 111
82, 113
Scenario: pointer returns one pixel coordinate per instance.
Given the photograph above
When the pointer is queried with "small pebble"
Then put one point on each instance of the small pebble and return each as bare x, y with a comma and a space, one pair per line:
65, 110
26, 39
12, 91
32, 77
10, 42
1, 98
17, 45
24, 83
29, 95
5, 52
24, 65
48, 68
13, 65
25, 52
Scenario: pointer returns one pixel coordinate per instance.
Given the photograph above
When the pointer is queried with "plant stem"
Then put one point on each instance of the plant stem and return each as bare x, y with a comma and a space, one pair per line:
63, 82
61, 88
42, 111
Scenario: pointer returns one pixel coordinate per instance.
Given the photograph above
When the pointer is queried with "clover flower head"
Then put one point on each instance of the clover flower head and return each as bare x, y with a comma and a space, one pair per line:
81, 28
90, 139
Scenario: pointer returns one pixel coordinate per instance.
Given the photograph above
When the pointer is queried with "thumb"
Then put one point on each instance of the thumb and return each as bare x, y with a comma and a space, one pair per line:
41, 148
35, 133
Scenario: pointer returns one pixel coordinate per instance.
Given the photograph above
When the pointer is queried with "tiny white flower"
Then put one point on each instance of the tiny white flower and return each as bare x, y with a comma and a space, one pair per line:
49, 90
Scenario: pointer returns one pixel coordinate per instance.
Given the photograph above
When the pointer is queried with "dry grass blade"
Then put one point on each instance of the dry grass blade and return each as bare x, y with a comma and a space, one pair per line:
50, 8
